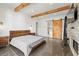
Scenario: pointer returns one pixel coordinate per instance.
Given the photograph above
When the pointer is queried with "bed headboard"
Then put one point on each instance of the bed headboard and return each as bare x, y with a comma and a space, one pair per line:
16, 33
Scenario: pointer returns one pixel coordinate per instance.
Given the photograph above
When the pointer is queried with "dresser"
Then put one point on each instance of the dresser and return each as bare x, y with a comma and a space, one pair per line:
4, 40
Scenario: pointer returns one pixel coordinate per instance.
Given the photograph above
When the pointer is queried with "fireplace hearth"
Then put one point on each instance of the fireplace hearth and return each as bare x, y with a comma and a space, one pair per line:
75, 46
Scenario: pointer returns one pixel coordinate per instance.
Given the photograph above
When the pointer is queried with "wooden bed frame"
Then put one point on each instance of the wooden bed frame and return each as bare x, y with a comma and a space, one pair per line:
16, 33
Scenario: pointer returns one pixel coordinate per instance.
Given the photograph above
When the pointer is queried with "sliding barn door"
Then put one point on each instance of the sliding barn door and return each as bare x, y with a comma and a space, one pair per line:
57, 29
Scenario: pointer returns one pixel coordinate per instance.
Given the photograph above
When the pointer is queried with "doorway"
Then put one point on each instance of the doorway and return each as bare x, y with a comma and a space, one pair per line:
57, 29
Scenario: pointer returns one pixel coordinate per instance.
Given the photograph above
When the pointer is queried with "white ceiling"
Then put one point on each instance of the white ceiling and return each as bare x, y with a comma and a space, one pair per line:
8, 5
34, 8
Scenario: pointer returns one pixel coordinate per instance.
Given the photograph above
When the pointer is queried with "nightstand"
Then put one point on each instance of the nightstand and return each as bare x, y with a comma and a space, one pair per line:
4, 41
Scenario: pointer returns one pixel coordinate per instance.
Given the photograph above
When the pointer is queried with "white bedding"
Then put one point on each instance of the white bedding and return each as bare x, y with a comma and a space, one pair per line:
25, 43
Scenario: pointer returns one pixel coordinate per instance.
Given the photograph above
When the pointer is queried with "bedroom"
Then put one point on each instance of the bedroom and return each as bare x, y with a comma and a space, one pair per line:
20, 21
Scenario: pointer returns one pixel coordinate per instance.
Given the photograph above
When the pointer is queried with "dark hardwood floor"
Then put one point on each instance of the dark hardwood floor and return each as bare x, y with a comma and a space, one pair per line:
52, 47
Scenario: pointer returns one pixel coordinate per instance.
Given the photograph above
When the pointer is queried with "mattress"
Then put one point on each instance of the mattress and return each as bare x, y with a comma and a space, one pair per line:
25, 43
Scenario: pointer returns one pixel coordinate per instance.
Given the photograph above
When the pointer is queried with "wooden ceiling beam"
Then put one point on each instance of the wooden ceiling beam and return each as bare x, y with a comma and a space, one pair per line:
21, 6
52, 11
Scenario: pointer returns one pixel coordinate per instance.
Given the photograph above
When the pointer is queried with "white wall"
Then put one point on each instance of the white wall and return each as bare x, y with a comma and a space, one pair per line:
43, 25
18, 21
15, 21
42, 28
12, 21
32, 26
